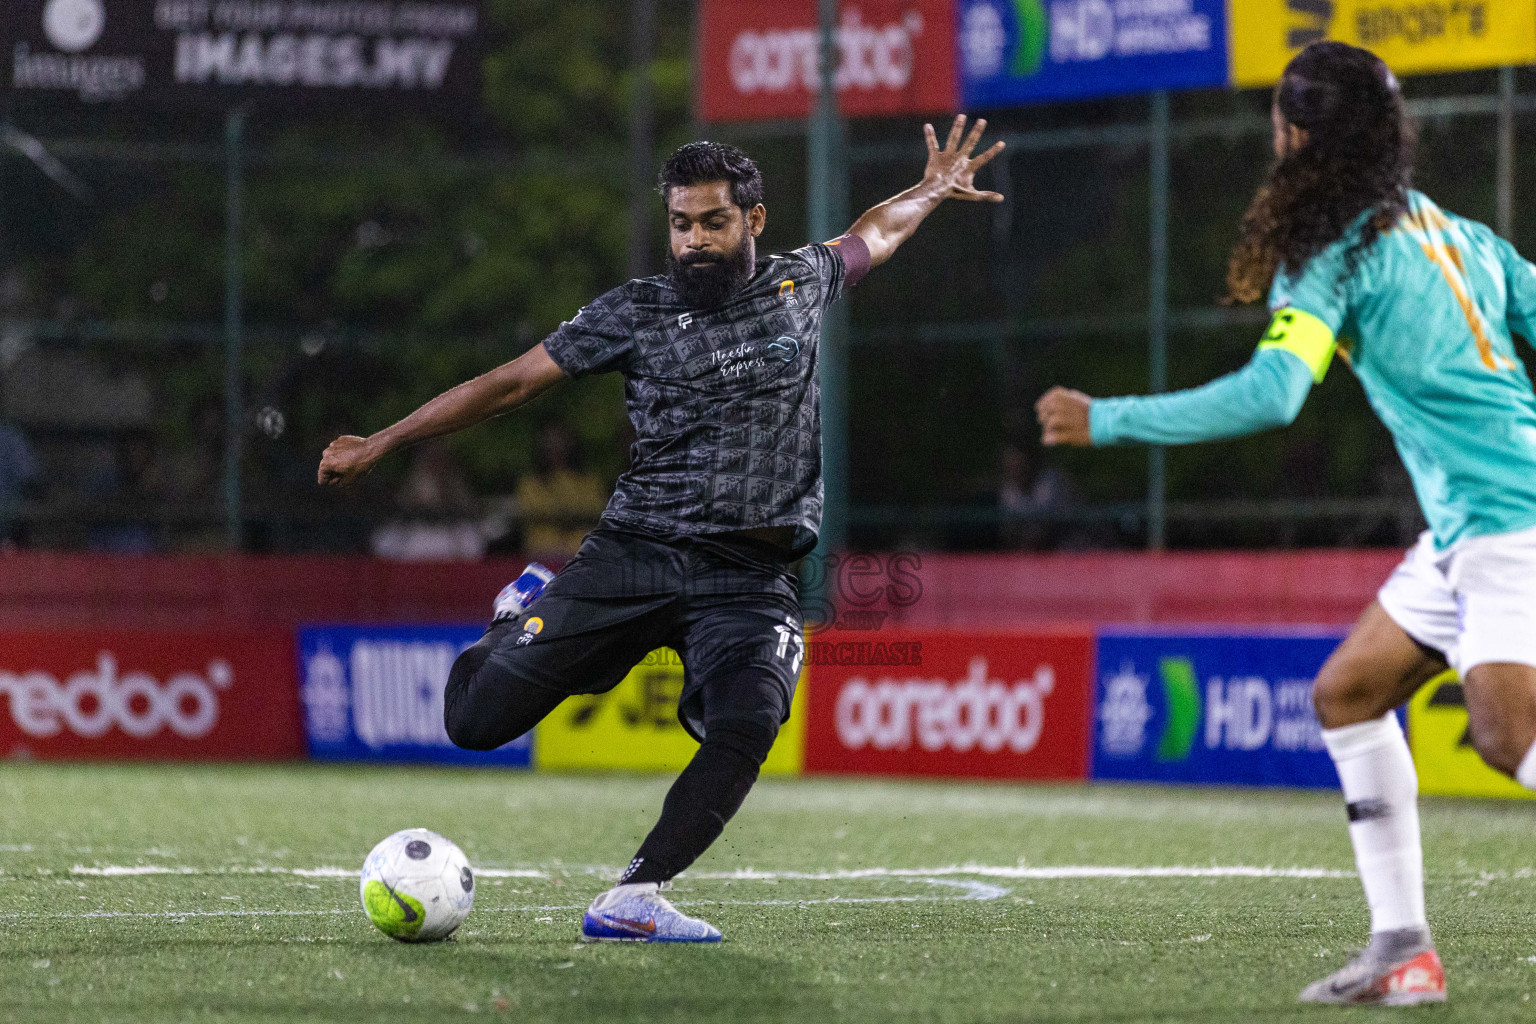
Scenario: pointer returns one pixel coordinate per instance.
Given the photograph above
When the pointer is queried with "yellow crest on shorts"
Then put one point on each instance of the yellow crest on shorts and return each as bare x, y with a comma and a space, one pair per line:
534, 625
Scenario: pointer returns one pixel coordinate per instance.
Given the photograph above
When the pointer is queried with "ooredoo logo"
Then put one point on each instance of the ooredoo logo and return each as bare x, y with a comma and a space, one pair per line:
782, 60
91, 702
977, 712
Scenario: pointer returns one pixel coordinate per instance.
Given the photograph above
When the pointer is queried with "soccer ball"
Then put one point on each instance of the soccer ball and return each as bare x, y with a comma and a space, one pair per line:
417, 886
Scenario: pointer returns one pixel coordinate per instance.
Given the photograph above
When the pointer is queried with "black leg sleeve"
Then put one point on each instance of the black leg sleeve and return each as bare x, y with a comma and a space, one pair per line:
704, 797
485, 705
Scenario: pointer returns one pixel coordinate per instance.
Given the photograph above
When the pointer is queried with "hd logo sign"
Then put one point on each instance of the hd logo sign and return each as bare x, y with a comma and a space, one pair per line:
1203, 708
634, 726
1412, 36
1442, 750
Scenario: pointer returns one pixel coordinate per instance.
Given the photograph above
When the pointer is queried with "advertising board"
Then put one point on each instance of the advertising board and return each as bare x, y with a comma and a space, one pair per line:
195, 695
1201, 707
634, 726
111, 51
1029, 51
375, 693
1447, 763
1410, 35
982, 704
760, 61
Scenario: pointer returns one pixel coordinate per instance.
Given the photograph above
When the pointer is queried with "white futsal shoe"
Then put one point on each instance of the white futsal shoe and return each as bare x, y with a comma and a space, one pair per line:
516, 596
1398, 968
640, 913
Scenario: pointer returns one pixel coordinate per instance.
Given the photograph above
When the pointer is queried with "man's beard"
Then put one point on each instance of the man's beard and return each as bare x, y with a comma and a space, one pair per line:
704, 280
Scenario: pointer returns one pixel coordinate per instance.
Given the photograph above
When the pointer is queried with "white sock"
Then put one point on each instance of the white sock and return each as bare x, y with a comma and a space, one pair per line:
1526, 773
620, 892
1381, 790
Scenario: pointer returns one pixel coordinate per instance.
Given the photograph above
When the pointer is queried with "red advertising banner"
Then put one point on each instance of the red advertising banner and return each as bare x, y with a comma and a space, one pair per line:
759, 61
209, 695
985, 705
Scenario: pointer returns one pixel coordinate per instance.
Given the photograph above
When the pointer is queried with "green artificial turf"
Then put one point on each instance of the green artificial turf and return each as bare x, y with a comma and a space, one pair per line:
240, 936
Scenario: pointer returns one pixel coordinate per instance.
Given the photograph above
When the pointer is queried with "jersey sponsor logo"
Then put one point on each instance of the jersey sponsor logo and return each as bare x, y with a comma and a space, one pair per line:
685, 321
739, 360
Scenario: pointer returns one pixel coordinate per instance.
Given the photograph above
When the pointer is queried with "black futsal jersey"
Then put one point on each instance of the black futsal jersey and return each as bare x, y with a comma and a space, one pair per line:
725, 402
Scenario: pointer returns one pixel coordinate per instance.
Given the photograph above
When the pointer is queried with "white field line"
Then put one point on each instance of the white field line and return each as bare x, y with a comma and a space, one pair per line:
1017, 872
965, 890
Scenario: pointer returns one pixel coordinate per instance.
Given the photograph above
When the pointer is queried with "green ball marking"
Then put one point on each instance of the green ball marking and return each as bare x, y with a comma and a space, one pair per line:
393, 912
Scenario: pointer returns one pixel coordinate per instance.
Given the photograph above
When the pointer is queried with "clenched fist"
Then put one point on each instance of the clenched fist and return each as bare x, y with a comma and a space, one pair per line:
1063, 415
346, 460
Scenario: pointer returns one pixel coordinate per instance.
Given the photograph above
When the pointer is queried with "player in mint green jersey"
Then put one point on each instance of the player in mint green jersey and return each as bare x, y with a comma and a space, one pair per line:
1423, 305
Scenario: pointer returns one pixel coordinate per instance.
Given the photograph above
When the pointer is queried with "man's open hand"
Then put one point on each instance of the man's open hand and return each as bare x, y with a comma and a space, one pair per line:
346, 460
953, 167
1063, 415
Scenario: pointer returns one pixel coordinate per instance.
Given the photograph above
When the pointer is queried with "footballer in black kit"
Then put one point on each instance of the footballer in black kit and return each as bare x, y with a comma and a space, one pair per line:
724, 493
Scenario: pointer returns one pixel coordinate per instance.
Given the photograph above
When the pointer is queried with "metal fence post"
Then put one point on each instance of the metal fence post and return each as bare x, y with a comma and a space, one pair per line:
1504, 213
642, 137
1157, 314
826, 205
234, 399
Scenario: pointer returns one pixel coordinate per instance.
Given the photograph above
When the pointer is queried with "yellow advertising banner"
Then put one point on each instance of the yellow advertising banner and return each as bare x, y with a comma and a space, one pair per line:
1412, 36
1437, 734
634, 727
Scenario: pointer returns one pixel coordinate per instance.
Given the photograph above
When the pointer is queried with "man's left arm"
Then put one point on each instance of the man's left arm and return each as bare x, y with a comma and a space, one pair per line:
950, 174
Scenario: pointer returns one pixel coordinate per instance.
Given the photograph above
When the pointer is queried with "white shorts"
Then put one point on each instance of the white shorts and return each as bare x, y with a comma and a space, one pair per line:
1475, 603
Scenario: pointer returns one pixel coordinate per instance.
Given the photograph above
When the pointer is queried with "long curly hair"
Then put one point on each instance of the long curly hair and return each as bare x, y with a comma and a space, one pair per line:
1358, 156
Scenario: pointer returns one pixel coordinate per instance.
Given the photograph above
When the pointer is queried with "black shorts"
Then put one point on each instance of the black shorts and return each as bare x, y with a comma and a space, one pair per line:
730, 609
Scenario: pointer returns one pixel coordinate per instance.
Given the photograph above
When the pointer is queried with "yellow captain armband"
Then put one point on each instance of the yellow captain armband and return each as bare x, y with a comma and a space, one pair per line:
1304, 336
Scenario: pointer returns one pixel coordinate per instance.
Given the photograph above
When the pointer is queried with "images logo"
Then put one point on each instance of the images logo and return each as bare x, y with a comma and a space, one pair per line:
74, 25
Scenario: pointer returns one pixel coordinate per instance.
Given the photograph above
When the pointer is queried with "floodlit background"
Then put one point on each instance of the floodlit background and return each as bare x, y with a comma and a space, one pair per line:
364, 254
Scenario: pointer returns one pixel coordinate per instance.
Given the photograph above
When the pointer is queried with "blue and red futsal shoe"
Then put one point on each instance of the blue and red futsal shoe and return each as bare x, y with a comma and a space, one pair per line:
516, 596
640, 913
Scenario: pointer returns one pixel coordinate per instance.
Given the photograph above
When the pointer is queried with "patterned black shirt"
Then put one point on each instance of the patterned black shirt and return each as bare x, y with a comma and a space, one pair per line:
724, 402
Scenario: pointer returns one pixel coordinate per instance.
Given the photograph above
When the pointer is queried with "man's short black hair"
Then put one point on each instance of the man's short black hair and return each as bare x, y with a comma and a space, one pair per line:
699, 162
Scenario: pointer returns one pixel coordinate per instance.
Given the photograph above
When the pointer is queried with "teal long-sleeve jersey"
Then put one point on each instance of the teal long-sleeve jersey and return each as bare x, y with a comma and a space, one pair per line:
1426, 321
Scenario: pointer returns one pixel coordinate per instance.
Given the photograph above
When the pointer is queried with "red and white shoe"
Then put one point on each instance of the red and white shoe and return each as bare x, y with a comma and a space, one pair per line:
1372, 980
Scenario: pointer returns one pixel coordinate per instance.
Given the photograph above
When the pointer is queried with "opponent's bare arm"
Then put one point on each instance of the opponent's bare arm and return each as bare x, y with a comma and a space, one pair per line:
490, 394
950, 174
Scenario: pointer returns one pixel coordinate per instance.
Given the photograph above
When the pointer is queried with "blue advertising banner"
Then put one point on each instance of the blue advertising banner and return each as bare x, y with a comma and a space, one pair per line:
375, 693
1014, 52
1198, 707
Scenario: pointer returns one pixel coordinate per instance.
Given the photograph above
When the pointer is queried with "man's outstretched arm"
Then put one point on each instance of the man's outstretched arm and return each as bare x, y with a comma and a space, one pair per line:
1268, 392
950, 174
490, 394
